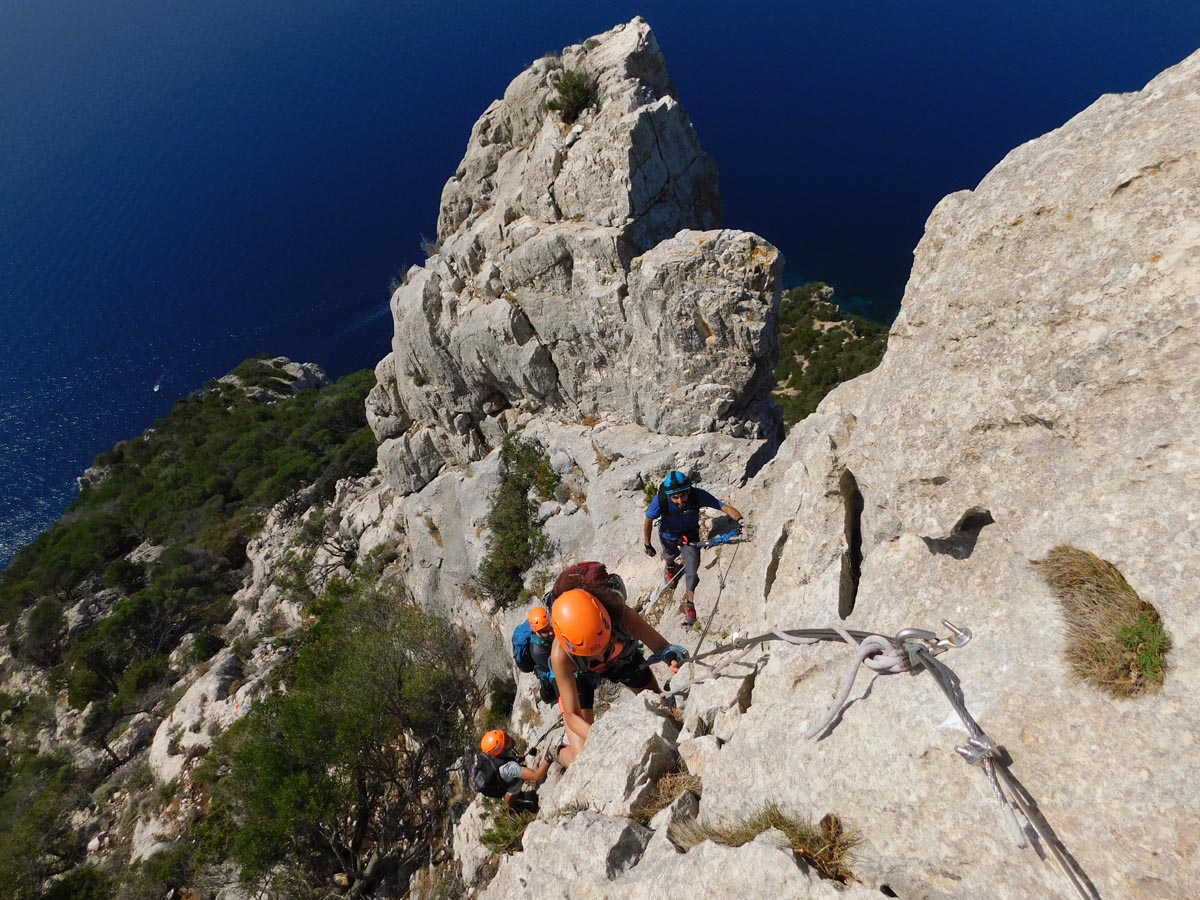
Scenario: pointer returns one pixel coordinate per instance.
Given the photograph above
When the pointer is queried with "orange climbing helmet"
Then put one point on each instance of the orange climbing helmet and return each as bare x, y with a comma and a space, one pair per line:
494, 742
539, 619
581, 622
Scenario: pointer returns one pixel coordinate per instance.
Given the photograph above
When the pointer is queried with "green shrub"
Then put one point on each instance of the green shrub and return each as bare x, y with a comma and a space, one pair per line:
501, 697
356, 752
37, 839
207, 645
505, 828
516, 541
124, 575
42, 638
576, 92
83, 883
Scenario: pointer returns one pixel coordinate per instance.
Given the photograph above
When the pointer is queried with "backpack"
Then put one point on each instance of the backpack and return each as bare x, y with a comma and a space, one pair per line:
691, 505
483, 774
522, 637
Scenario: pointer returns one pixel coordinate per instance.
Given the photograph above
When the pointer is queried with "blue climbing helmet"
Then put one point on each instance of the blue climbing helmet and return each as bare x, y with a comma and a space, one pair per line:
676, 483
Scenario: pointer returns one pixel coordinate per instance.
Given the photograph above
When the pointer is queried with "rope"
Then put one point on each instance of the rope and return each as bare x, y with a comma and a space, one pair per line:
721, 576
876, 653
911, 651
979, 750
792, 636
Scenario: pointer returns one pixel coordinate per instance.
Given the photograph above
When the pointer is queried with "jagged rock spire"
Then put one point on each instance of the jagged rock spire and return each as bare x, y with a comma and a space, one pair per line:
577, 276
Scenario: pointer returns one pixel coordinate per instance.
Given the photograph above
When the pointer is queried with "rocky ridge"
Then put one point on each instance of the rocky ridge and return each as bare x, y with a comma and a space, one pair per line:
1030, 396
577, 275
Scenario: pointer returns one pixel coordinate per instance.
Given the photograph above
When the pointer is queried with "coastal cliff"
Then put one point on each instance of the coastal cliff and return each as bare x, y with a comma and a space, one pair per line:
582, 326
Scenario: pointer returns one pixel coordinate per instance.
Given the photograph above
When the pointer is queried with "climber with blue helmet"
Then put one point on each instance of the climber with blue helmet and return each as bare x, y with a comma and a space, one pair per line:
677, 505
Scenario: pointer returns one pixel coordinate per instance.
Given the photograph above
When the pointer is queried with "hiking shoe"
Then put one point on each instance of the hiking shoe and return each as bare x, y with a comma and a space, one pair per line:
689, 615
671, 572
552, 750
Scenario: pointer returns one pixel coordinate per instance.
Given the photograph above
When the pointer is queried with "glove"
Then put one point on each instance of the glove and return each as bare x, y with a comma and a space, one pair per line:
650, 551
673, 653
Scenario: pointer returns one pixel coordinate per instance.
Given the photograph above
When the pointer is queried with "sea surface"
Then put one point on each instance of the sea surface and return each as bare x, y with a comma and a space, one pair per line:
183, 185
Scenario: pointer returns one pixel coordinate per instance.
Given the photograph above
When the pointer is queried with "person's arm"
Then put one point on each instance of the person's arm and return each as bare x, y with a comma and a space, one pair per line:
648, 526
568, 694
536, 775
731, 512
646, 633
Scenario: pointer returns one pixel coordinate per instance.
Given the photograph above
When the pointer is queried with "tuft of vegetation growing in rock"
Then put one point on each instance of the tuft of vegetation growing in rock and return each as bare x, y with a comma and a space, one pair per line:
666, 791
827, 846
649, 492
507, 827
1115, 639
819, 348
516, 541
577, 91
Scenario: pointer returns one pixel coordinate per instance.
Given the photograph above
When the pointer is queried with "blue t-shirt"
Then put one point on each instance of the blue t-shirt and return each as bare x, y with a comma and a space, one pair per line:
677, 522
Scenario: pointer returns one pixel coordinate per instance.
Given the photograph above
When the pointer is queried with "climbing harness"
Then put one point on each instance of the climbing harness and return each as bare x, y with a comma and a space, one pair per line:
911, 650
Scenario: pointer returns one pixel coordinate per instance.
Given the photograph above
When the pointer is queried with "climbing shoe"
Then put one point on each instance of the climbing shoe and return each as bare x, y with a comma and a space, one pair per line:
689, 615
671, 572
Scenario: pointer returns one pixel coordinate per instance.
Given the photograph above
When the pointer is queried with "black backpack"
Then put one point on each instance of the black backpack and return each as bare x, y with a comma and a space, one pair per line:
483, 773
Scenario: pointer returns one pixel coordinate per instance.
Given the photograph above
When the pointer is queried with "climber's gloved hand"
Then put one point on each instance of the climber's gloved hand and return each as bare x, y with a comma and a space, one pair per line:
650, 551
673, 654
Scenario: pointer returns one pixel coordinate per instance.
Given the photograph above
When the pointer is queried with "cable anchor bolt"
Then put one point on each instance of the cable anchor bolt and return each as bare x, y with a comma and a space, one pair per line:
959, 637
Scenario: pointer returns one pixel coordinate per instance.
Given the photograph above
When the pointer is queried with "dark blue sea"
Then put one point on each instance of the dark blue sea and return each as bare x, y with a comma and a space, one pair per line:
183, 185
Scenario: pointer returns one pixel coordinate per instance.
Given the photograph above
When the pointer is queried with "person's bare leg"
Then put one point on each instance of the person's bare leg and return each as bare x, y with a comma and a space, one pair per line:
575, 740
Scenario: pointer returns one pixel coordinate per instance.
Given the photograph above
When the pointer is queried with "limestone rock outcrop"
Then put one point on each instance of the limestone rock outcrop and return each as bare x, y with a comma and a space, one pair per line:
1038, 389
578, 274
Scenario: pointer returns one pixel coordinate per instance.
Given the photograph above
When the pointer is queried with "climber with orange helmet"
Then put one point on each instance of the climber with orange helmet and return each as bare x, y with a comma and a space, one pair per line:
677, 504
541, 640
596, 633
499, 773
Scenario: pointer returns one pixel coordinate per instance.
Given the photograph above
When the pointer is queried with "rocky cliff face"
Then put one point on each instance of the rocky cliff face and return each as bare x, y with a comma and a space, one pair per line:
577, 275
1038, 390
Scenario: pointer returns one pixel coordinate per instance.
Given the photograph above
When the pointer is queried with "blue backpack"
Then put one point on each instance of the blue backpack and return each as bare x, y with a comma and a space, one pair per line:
522, 638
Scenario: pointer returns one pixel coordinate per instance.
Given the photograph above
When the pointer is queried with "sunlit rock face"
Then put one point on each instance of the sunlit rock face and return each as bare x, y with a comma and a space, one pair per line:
579, 275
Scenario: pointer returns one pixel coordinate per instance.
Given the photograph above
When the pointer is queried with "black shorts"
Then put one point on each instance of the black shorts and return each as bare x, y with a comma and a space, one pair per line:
633, 672
585, 687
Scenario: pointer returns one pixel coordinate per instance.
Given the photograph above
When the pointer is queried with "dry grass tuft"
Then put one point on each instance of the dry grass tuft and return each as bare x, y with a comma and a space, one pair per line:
433, 530
1115, 639
827, 846
666, 790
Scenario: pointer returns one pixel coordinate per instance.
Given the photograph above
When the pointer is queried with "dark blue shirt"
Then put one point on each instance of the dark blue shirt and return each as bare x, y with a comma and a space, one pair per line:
677, 522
